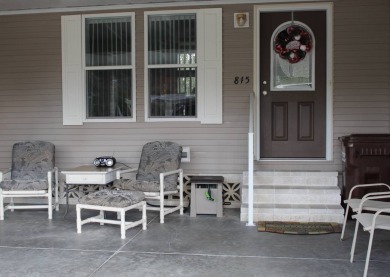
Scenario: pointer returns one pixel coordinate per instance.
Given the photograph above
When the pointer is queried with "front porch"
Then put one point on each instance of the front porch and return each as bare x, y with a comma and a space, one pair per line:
31, 245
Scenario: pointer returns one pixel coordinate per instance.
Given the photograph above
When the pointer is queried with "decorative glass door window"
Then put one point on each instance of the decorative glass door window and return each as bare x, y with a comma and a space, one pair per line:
292, 57
172, 65
108, 67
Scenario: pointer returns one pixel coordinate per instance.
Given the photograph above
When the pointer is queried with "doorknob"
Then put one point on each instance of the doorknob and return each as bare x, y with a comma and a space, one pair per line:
265, 92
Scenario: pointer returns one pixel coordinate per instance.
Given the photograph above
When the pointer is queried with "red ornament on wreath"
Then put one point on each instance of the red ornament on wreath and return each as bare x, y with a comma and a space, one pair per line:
293, 43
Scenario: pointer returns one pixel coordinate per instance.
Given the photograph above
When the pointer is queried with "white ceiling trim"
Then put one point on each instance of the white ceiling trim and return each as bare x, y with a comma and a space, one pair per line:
108, 6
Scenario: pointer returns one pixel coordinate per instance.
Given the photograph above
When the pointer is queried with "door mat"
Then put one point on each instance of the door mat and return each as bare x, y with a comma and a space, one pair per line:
298, 228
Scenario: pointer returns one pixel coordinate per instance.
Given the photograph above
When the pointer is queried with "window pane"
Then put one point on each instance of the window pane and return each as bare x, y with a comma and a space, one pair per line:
292, 75
172, 39
109, 93
108, 41
172, 92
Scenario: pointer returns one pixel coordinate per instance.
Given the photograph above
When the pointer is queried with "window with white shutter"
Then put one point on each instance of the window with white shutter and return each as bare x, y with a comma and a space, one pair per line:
102, 48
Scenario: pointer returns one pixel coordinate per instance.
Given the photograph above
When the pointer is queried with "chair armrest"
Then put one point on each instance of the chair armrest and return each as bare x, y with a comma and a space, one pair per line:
171, 172
381, 211
50, 177
377, 214
164, 174
375, 194
55, 169
4, 173
128, 170
367, 185
379, 195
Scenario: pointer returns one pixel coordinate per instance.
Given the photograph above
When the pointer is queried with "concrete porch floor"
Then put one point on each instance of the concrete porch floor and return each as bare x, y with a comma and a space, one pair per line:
31, 245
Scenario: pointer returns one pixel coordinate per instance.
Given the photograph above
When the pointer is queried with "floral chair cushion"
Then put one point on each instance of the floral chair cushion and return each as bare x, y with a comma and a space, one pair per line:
24, 185
31, 160
146, 186
113, 198
156, 157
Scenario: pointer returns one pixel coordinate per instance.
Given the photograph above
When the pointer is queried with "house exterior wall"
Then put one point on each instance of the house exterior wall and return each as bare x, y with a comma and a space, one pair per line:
31, 97
361, 81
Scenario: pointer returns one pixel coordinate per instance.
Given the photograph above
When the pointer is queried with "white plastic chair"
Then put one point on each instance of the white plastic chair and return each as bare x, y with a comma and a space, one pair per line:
370, 222
158, 175
369, 205
32, 175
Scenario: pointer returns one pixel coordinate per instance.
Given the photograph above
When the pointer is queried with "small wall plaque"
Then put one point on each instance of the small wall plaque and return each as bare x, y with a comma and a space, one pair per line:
241, 20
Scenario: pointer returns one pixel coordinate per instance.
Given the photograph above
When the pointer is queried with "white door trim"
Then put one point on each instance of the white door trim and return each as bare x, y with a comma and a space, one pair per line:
325, 6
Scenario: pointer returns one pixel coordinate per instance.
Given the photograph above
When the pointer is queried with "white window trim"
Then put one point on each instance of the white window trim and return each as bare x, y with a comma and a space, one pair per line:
202, 114
132, 67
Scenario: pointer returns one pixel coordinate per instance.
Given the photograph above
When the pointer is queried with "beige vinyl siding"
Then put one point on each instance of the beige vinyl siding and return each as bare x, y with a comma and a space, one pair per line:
31, 97
30, 80
361, 68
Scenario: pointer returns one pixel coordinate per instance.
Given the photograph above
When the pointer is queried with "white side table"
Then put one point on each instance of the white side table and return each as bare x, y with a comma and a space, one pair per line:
86, 175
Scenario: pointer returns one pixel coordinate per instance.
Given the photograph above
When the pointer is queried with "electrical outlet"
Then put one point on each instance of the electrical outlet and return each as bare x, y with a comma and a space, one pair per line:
185, 155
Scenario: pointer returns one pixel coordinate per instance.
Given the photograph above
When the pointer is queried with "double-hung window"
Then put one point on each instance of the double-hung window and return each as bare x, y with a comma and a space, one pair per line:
108, 67
178, 53
104, 43
172, 65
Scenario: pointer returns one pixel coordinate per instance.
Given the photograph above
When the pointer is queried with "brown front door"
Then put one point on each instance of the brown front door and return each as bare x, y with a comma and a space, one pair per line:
293, 99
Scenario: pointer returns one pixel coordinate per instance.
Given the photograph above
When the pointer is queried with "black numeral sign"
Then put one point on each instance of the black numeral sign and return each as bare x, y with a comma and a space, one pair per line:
241, 80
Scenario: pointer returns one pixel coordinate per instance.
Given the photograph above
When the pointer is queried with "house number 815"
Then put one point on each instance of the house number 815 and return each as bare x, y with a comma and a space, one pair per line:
241, 80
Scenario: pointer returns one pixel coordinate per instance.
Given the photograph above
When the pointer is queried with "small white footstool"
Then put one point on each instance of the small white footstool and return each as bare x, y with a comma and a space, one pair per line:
119, 201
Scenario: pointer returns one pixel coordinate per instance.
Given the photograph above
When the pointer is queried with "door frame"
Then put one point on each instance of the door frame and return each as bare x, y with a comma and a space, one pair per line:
325, 6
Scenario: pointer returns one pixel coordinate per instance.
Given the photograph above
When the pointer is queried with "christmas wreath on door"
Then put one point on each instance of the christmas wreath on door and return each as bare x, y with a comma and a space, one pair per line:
293, 43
